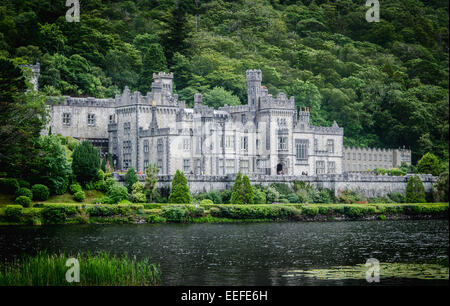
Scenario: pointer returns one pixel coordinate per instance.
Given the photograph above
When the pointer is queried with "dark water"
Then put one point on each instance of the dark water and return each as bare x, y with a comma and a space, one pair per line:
246, 254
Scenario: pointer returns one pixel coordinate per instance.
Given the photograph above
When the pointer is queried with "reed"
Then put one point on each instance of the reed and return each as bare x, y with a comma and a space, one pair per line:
99, 269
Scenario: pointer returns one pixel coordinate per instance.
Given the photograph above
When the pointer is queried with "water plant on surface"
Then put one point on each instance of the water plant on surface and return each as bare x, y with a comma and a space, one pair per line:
427, 271
99, 269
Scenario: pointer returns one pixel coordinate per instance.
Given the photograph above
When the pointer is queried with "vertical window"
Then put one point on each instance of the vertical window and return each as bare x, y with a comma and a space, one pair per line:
354, 156
257, 144
282, 143
348, 155
330, 145
160, 165
186, 165
370, 157
301, 146
146, 146
243, 119
364, 156
66, 118
331, 167
229, 142
186, 144
244, 143
111, 118
91, 119
159, 146
230, 166
126, 128
320, 167
359, 156
145, 164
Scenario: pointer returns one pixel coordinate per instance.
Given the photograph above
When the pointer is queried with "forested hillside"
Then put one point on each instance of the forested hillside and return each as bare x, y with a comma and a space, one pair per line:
386, 83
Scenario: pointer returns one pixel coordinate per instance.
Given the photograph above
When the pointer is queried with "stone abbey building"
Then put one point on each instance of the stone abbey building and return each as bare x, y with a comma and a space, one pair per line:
268, 136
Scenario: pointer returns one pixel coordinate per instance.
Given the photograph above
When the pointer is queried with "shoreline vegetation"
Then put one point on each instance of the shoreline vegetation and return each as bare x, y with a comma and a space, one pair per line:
102, 269
49, 213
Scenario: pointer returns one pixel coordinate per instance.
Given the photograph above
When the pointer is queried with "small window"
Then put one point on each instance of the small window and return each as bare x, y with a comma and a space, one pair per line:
230, 166
330, 145
160, 165
111, 119
243, 166
126, 128
146, 146
331, 167
159, 146
320, 167
186, 165
243, 119
282, 143
66, 118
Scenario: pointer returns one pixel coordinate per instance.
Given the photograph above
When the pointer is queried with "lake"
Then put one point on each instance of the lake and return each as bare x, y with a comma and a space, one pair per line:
247, 254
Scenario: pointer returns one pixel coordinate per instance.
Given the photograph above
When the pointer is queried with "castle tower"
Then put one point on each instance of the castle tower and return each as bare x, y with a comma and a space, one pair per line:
163, 82
254, 78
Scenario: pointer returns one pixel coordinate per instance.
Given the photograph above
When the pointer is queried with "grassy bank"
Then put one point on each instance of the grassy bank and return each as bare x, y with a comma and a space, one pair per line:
49, 213
94, 270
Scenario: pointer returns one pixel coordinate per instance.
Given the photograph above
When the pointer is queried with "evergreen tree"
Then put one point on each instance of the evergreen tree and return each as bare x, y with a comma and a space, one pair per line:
180, 190
236, 194
247, 189
130, 178
85, 162
428, 164
103, 165
151, 180
415, 191
154, 61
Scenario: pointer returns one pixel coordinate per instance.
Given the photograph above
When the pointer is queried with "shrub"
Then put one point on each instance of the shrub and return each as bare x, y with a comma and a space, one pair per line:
381, 217
74, 188
54, 214
13, 212
206, 202
79, 196
350, 196
397, 197
310, 211
100, 185
179, 192
139, 197
283, 189
117, 193
303, 196
40, 192
24, 192
23, 183
226, 196
429, 164
442, 187
293, 198
324, 196
174, 213
109, 182
272, 195
130, 178
194, 212
259, 197
23, 200
9, 185
156, 219
415, 191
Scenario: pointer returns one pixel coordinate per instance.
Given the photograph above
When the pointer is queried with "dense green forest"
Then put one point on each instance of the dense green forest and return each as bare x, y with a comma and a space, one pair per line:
385, 82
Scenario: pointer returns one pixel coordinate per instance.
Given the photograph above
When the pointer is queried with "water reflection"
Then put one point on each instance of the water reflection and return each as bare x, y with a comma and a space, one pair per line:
244, 254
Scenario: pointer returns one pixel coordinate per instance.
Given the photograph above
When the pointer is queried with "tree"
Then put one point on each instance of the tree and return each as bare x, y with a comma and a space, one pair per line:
415, 191
138, 194
151, 180
130, 178
22, 115
442, 187
85, 162
180, 190
236, 195
154, 61
51, 166
428, 164
247, 190
218, 97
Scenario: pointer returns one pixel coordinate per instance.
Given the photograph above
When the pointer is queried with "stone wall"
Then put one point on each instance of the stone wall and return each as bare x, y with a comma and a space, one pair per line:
369, 185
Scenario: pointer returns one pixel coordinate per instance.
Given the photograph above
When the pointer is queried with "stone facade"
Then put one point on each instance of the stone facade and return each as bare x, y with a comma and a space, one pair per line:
363, 159
268, 136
